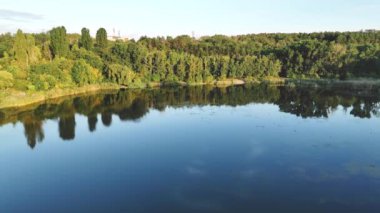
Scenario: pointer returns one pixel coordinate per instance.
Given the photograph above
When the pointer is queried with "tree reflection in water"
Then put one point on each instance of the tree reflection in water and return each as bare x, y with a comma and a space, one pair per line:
131, 105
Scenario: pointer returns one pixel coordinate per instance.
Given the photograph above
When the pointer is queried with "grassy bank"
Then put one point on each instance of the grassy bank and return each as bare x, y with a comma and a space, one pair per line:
15, 98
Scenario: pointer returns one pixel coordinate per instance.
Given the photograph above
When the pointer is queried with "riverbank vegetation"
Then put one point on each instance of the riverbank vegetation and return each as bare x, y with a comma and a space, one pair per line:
57, 60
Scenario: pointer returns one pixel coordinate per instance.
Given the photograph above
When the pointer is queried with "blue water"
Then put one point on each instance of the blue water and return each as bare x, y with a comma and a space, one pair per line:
202, 155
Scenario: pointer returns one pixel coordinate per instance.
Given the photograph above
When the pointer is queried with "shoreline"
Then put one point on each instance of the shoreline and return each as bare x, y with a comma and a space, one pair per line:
17, 99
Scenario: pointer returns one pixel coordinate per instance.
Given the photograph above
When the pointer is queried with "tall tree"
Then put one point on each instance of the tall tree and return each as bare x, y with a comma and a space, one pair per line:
85, 40
59, 43
20, 49
25, 50
101, 38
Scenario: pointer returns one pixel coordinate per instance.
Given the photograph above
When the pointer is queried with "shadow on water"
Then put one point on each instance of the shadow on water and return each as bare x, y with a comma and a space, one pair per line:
132, 105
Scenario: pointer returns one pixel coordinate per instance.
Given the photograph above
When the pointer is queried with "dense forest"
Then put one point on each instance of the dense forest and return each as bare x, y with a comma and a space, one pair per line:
132, 105
56, 59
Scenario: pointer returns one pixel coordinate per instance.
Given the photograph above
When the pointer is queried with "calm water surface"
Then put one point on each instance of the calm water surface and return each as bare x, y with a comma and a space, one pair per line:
197, 149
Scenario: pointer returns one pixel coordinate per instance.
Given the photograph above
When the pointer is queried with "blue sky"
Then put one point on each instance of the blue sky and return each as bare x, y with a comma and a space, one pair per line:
203, 17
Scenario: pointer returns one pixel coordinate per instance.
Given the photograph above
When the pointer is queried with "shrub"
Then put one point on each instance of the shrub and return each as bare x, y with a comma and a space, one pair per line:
59, 69
43, 81
21, 84
6, 80
17, 72
137, 82
120, 74
82, 73
89, 56
156, 77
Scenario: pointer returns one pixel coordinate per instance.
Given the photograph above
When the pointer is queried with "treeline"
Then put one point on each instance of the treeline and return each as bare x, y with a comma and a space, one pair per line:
56, 59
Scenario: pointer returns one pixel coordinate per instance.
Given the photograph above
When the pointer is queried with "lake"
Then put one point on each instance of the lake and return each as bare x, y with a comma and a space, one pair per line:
250, 148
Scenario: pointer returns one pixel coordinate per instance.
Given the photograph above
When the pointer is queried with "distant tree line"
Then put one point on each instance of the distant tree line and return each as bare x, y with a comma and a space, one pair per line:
56, 59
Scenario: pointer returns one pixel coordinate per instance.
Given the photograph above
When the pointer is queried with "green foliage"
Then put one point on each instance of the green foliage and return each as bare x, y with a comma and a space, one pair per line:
137, 56
307, 58
101, 39
6, 80
42, 82
6, 44
21, 84
315, 55
120, 74
17, 72
24, 50
59, 68
20, 49
82, 73
58, 59
59, 43
85, 40
120, 53
90, 57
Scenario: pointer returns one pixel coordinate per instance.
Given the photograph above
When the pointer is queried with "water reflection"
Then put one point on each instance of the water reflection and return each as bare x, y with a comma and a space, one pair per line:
33, 131
67, 127
132, 105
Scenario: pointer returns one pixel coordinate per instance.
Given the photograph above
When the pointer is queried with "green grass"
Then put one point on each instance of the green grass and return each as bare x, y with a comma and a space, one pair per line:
15, 98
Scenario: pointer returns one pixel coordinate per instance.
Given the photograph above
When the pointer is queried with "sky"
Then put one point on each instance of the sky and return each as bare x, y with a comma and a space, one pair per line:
135, 18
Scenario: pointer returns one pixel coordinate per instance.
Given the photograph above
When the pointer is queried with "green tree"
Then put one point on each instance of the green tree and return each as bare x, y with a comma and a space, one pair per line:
6, 44
20, 49
43, 81
120, 74
59, 68
180, 69
137, 56
85, 40
59, 43
120, 53
25, 51
89, 56
159, 69
82, 73
101, 39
